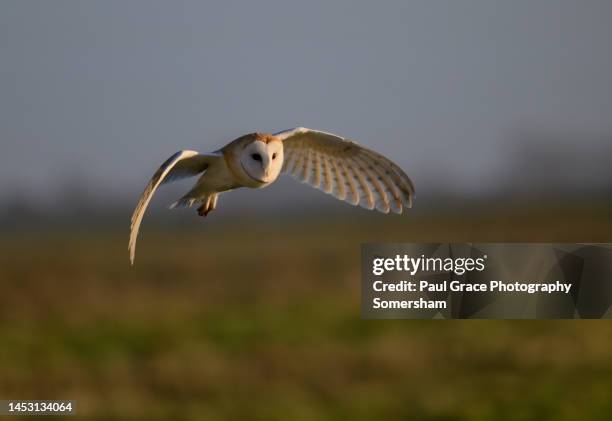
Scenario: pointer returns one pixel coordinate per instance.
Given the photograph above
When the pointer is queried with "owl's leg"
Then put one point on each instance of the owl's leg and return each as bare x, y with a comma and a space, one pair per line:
213, 201
208, 205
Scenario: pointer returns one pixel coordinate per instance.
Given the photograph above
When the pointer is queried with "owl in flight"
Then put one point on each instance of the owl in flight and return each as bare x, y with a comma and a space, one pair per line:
327, 162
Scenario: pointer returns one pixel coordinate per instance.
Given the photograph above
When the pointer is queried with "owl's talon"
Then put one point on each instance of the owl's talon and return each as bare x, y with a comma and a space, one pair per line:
203, 212
208, 205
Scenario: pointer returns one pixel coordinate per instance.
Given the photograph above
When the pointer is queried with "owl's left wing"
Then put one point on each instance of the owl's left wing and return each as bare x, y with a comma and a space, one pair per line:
180, 165
346, 170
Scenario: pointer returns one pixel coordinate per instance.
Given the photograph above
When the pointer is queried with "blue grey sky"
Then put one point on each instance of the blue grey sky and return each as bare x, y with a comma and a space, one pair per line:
101, 92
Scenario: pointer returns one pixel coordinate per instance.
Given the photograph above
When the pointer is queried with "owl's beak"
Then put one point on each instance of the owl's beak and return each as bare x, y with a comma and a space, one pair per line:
265, 163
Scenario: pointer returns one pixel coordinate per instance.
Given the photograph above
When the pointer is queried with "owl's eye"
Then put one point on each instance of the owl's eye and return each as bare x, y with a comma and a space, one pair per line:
274, 155
256, 157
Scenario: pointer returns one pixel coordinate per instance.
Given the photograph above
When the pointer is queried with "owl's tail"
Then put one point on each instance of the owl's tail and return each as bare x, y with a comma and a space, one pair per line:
185, 202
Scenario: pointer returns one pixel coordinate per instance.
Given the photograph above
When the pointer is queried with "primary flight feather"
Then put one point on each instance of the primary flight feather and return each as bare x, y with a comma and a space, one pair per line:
327, 162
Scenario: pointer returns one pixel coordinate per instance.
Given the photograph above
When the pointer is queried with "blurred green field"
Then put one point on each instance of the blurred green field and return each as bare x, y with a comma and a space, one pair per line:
259, 319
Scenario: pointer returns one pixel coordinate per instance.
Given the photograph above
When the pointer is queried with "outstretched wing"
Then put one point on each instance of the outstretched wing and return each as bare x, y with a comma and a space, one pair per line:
350, 172
180, 165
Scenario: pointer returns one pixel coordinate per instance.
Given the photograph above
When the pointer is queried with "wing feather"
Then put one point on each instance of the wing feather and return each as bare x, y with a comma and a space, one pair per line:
297, 167
316, 182
382, 202
391, 189
306, 169
365, 194
327, 175
346, 170
339, 183
402, 181
350, 184
180, 165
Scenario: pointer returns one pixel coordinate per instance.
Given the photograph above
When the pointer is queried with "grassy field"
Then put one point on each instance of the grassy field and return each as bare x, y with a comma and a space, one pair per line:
260, 320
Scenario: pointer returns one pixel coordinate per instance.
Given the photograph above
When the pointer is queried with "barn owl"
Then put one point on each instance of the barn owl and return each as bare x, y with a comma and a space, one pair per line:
327, 162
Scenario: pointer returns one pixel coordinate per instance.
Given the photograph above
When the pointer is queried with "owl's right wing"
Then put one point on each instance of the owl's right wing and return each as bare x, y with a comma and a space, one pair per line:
180, 165
345, 169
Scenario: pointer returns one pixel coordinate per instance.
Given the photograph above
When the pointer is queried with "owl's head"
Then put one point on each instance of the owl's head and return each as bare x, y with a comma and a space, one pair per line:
261, 157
